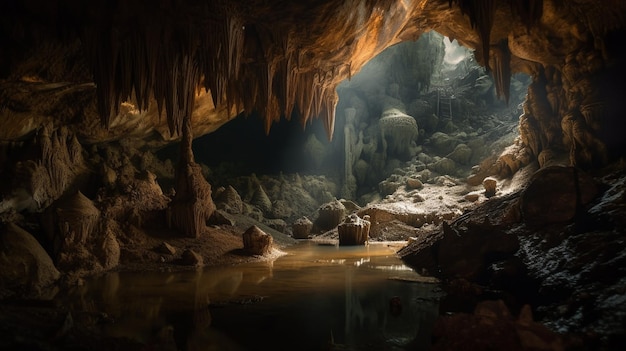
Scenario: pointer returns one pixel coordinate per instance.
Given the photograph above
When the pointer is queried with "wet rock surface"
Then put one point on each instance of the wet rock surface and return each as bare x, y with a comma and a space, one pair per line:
569, 269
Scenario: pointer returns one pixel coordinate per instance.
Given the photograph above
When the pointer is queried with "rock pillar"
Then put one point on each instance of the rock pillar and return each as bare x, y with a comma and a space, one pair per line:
192, 205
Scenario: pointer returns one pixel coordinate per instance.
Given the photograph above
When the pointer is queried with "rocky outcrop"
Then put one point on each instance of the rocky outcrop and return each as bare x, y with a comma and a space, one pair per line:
330, 215
302, 228
26, 269
559, 251
556, 194
256, 241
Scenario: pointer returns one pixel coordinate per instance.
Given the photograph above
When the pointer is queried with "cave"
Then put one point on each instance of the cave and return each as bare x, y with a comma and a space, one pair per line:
323, 175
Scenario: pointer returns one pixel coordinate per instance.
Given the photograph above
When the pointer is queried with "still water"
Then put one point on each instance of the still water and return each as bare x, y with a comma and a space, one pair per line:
316, 297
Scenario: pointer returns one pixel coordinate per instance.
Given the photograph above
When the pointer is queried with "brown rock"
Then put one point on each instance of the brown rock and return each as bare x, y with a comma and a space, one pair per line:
256, 241
555, 193
24, 264
354, 230
330, 215
165, 248
191, 258
221, 217
413, 183
302, 228
490, 184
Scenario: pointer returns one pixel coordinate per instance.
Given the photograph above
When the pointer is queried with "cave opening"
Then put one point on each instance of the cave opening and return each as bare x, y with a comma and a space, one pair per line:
447, 100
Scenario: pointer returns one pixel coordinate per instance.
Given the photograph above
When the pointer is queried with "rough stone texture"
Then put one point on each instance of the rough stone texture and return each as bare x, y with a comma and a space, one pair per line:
256, 241
490, 184
25, 267
165, 248
192, 205
492, 326
229, 200
301, 228
70, 225
354, 230
191, 258
570, 271
556, 194
330, 215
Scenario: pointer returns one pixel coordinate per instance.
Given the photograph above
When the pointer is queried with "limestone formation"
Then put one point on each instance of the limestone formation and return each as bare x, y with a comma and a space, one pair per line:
398, 132
192, 205
25, 267
229, 201
70, 225
302, 228
490, 184
261, 200
256, 241
354, 230
330, 215
556, 194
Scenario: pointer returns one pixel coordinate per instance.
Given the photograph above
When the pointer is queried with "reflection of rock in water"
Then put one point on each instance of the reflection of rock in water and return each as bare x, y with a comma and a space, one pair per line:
370, 318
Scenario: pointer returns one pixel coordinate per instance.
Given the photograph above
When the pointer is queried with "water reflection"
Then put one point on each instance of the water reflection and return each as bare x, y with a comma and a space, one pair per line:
315, 298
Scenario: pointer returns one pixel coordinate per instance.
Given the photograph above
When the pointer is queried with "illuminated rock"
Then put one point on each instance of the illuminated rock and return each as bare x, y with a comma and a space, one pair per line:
354, 230
256, 241
330, 215
302, 228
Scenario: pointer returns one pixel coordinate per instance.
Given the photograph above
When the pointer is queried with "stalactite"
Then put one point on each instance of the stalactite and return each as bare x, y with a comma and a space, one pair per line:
75, 151
481, 14
502, 71
530, 11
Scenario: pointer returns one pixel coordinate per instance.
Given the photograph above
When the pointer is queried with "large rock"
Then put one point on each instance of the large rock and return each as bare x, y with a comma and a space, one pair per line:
354, 230
330, 215
302, 228
24, 264
555, 194
256, 241
229, 200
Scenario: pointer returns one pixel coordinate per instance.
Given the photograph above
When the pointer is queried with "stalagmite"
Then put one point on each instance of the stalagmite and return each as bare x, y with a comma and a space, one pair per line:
192, 205
354, 230
256, 241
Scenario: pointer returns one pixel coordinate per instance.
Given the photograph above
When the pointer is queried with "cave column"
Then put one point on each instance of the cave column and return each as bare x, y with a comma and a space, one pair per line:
350, 157
192, 205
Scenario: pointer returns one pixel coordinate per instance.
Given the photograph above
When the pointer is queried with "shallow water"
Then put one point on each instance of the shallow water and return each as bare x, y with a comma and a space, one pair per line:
313, 297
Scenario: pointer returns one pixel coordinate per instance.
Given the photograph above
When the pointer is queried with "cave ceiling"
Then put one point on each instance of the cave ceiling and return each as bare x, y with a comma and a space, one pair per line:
119, 69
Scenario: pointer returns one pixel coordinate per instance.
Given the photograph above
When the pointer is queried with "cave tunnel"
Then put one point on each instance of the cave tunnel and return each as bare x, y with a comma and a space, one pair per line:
363, 174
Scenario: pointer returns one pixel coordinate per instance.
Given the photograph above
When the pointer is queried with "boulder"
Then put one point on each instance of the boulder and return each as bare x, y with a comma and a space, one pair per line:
220, 217
414, 183
302, 228
256, 241
24, 264
191, 258
330, 215
490, 184
165, 248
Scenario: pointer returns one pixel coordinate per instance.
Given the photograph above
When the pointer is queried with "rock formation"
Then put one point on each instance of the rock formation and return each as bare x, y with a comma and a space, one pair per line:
192, 205
354, 230
256, 241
